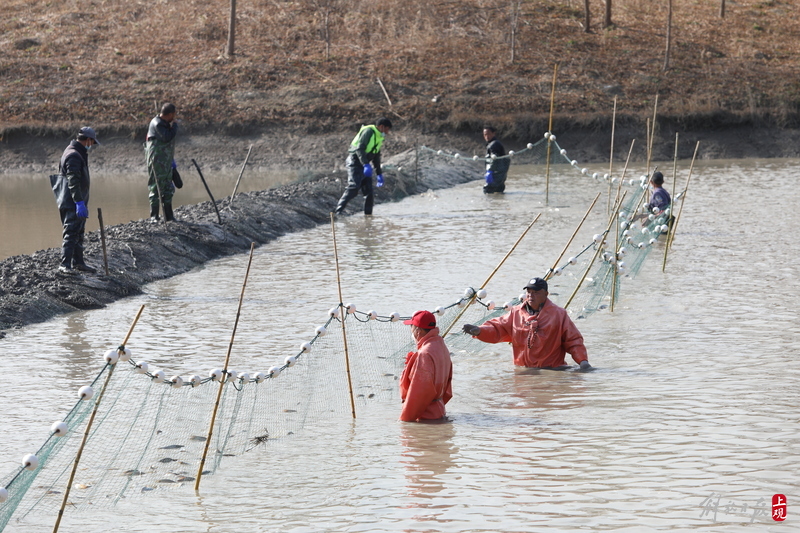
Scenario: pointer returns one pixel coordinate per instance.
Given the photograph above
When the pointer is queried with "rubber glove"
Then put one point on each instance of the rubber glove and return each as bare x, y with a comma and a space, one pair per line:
471, 330
585, 365
380, 180
173, 164
80, 210
489, 176
367, 170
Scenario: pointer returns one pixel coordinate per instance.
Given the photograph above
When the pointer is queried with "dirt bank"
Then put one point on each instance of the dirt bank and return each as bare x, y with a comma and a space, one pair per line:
31, 289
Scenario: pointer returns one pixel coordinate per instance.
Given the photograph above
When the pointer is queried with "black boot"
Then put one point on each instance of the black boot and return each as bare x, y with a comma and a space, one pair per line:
154, 213
168, 215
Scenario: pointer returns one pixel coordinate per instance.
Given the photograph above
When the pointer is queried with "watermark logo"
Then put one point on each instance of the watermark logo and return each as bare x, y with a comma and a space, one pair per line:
778, 507
712, 507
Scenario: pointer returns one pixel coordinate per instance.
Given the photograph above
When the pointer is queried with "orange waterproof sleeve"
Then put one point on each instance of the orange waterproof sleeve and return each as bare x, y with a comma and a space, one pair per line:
421, 392
572, 340
497, 329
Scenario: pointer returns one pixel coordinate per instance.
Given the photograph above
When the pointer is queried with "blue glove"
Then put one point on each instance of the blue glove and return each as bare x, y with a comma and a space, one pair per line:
367, 170
489, 176
173, 164
380, 180
80, 210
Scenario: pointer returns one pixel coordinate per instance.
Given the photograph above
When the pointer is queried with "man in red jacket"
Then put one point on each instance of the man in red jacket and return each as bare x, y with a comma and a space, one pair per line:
426, 381
539, 331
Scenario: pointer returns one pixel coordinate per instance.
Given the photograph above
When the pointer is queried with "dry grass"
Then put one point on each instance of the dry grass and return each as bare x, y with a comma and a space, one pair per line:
112, 61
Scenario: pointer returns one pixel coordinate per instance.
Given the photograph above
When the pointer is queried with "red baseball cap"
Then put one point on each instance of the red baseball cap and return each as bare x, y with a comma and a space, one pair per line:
422, 319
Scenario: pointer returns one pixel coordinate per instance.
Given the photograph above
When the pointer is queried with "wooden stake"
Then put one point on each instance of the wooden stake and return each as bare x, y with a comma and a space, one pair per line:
213, 202
671, 233
224, 377
485, 283
550, 129
574, 233
384, 92
672, 204
611, 157
343, 312
103, 239
241, 172
89, 424
614, 270
597, 251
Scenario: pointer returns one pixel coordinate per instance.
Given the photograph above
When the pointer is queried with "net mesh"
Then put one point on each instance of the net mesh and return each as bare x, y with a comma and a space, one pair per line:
149, 433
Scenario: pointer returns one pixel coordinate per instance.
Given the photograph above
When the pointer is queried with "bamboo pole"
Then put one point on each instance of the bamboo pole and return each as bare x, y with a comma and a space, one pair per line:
675, 166
574, 233
597, 251
671, 234
213, 202
611, 157
224, 376
615, 269
549, 142
485, 283
624, 171
103, 238
672, 204
343, 312
652, 134
241, 172
89, 424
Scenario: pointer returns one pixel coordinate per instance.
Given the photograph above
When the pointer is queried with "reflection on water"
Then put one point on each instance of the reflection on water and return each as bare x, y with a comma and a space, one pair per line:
694, 396
29, 219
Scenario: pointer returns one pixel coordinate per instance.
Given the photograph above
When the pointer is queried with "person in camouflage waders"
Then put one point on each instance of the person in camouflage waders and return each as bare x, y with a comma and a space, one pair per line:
159, 150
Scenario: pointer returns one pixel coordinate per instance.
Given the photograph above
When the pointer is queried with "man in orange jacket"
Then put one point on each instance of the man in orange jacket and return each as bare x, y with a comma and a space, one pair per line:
539, 331
426, 381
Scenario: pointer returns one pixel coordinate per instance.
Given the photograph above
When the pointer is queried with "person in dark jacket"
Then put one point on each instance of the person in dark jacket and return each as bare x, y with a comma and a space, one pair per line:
364, 160
71, 187
496, 165
159, 151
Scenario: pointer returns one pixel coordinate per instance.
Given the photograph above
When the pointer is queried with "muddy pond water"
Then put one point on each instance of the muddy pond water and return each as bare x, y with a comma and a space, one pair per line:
690, 421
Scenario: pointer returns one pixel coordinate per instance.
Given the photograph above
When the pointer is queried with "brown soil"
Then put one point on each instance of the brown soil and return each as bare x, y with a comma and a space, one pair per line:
446, 67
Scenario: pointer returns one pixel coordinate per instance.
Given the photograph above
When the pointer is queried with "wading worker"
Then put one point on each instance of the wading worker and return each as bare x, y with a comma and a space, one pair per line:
496, 169
539, 331
659, 200
159, 151
71, 187
364, 160
426, 381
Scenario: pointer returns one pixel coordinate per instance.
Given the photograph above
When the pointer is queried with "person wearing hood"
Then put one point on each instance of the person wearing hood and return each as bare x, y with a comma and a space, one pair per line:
71, 188
540, 332
426, 381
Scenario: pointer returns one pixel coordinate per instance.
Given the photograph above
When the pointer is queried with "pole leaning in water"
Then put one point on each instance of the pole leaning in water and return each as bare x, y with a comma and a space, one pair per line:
343, 312
674, 226
91, 421
485, 283
223, 379
241, 172
213, 202
103, 239
549, 142
611, 157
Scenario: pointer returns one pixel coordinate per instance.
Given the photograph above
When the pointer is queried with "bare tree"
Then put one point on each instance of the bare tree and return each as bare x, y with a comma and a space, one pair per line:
515, 9
586, 27
669, 35
229, 50
607, 20
722, 9
325, 9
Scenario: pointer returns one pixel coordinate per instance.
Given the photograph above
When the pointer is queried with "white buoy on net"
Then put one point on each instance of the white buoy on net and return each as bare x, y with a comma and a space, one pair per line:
506, 305
605, 177
274, 372
142, 367
530, 146
334, 312
30, 462
475, 157
439, 311
244, 378
481, 293
597, 238
595, 175
59, 429
574, 163
177, 382
547, 135
159, 376
233, 375
511, 153
622, 251
563, 152
196, 380
85, 392
556, 272
640, 245
439, 152
490, 305
351, 308
290, 361
373, 315
573, 260
215, 374
305, 347
3, 494
260, 377
125, 355
664, 228
395, 316
321, 331
457, 155
553, 137
584, 171
468, 292
111, 357
620, 265
652, 241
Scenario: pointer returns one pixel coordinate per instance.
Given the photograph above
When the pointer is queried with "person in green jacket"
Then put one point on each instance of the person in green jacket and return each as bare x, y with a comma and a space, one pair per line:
159, 151
364, 160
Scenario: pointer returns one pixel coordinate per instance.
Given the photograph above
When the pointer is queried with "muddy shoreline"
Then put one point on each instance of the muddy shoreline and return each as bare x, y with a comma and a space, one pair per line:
140, 252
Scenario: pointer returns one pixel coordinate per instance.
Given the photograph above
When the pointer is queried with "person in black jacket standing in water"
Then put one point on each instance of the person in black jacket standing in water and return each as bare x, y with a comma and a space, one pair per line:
364, 155
496, 169
71, 187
